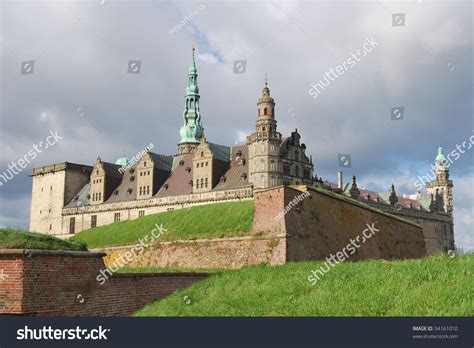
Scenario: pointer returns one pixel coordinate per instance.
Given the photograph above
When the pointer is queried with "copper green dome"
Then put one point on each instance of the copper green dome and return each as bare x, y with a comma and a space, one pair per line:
122, 161
440, 157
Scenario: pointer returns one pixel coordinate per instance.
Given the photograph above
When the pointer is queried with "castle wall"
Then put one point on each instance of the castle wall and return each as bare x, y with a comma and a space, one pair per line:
61, 283
47, 201
437, 227
205, 253
105, 213
322, 224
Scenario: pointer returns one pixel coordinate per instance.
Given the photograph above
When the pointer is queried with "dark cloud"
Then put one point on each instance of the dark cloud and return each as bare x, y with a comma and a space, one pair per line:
80, 86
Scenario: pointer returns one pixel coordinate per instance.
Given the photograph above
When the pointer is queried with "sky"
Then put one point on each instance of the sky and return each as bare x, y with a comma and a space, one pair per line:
65, 69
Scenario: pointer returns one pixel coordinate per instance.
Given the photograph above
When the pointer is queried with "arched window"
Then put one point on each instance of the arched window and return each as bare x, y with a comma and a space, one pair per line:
265, 111
202, 153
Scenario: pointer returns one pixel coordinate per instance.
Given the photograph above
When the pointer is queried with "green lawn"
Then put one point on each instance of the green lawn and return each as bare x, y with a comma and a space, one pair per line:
206, 221
19, 239
433, 286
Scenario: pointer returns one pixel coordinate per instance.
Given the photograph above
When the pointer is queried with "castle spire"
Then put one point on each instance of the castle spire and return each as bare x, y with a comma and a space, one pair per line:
191, 131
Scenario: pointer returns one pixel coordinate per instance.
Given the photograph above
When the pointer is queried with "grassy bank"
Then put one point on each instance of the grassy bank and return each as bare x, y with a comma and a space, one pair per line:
19, 239
206, 221
433, 286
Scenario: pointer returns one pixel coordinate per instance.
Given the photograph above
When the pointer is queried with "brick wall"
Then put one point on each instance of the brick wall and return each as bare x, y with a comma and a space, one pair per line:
323, 224
51, 283
204, 253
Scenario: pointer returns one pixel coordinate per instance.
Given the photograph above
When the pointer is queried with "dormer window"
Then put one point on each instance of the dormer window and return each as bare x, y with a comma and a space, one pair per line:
188, 169
165, 186
181, 163
243, 176
129, 191
223, 179
132, 170
116, 192
132, 178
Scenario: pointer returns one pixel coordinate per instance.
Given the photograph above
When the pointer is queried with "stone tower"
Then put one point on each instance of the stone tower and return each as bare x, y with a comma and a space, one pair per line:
442, 186
191, 131
264, 145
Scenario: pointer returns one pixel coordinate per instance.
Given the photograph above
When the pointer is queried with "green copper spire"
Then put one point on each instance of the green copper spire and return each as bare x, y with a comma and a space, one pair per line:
191, 130
440, 157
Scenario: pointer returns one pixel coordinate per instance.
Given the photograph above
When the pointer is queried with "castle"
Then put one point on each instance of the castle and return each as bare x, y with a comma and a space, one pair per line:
68, 198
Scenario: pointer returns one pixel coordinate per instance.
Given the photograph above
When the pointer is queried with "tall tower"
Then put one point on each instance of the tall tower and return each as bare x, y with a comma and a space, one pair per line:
264, 145
442, 185
191, 131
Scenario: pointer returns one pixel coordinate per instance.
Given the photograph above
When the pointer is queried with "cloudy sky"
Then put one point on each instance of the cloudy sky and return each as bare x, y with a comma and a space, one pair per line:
80, 87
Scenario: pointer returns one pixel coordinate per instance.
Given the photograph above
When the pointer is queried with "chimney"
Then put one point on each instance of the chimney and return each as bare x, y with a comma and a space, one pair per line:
339, 180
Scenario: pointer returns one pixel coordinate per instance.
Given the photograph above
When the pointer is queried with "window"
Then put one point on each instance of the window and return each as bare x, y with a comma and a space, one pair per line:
202, 153
262, 148
116, 217
72, 225
272, 148
206, 164
144, 164
148, 190
297, 171
206, 183
262, 181
141, 213
50, 227
140, 190
306, 174
274, 181
202, 182
297, 155
274, 166
286, 169
93, 221
262, 164
265, 111
197, 183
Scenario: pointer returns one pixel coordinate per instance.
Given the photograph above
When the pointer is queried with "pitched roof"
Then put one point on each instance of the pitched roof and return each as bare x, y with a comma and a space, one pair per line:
81, 198
163, 162
178, 183
126, 190
236, 175
220, 152
112, 170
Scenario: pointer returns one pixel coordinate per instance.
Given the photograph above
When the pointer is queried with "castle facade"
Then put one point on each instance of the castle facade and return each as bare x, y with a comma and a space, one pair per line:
68, 198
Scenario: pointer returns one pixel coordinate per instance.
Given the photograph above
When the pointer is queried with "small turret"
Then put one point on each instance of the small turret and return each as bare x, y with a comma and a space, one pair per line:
354, 191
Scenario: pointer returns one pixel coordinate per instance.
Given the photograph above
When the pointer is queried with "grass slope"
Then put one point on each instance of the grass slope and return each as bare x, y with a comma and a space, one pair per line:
206, 221
433, 286
19, 239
